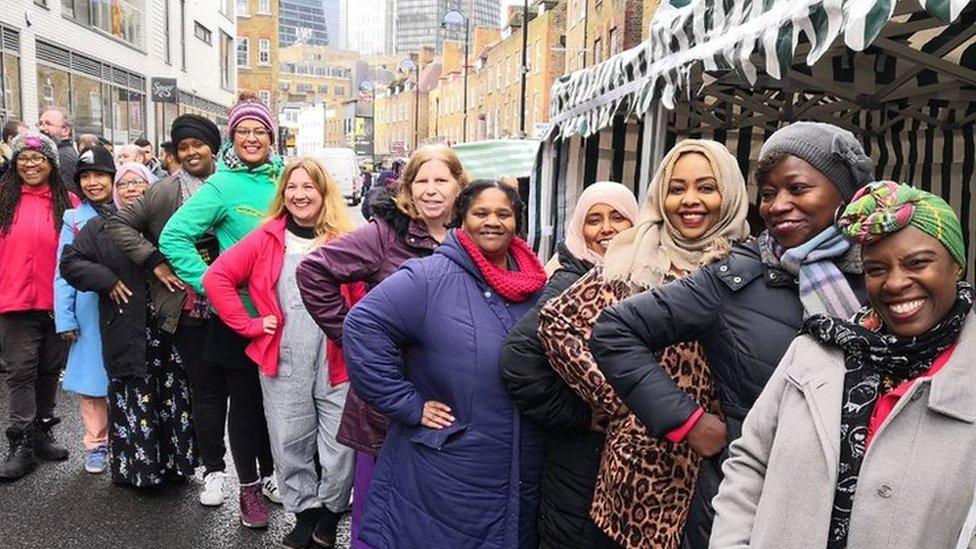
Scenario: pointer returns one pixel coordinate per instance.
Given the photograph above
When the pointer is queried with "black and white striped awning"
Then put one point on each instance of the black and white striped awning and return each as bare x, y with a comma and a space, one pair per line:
693, 43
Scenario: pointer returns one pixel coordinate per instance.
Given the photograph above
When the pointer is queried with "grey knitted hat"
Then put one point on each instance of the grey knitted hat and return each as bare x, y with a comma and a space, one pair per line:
832, 150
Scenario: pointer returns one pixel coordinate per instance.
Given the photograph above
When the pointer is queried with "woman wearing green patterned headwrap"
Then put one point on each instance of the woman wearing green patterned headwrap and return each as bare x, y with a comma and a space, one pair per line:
837, 393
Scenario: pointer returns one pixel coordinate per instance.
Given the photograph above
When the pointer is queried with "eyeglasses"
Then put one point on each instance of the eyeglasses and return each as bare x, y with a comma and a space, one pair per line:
258, 133
25, 160
124, 183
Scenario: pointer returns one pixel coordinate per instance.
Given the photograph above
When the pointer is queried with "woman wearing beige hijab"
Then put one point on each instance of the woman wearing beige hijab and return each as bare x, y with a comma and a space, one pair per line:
696, 206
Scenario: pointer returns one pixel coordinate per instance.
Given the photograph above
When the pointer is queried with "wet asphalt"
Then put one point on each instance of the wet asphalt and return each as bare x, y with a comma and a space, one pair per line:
62, 506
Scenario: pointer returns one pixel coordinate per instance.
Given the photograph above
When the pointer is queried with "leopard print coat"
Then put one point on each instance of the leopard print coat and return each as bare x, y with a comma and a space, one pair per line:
645, 485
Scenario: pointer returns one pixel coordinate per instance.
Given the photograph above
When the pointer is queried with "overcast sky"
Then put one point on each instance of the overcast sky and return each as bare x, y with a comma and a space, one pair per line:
505, 4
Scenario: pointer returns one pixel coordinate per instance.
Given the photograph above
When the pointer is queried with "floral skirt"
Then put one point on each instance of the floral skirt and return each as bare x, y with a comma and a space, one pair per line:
151, 429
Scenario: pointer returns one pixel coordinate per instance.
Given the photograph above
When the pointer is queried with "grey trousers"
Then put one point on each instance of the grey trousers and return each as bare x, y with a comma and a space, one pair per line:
34, 357
303, 412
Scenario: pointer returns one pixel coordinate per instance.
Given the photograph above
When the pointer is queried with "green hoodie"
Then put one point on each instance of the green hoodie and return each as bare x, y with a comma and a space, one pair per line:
232, 202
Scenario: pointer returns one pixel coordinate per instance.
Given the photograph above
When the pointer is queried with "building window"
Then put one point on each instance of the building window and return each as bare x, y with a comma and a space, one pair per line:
264, 51
226, 8
264, 7
120, 18
265, 96
183, 35
614, 45
10, 106
226, 61
166, 32
597, 51
243, 52
242, 8
340, 90
203, 33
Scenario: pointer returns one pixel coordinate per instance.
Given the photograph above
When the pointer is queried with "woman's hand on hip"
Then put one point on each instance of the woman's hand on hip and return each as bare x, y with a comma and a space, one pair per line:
437, 415
270, 324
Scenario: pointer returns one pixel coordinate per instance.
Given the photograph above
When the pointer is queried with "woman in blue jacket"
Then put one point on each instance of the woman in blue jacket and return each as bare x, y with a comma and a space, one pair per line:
458, 468
76, 313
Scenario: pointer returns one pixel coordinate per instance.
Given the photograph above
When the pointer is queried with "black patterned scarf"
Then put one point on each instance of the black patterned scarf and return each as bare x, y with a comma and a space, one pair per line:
876, 362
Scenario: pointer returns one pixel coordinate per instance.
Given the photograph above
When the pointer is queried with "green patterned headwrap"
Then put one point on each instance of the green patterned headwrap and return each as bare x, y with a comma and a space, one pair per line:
884, 207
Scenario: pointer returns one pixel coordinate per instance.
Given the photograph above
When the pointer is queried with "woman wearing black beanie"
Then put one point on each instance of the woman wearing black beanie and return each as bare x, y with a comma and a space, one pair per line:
135, 230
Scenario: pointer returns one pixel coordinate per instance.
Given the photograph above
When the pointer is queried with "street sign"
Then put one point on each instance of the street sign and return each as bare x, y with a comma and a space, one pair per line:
164, 90
398, 147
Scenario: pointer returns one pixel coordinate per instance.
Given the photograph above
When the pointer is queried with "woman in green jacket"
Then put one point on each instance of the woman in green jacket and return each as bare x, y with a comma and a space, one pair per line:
231, 204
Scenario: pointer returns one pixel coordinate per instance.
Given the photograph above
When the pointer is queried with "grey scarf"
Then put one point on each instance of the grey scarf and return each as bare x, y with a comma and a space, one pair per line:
189, 185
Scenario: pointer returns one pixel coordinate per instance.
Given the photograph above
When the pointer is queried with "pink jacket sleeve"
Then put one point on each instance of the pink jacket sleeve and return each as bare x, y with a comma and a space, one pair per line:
231, 270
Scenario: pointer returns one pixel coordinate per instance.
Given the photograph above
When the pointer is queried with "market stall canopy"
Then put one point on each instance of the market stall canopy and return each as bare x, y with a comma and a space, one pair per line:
729, 38
498, 158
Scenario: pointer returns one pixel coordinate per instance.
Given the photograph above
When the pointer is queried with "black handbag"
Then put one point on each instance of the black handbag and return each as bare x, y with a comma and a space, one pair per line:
208, 247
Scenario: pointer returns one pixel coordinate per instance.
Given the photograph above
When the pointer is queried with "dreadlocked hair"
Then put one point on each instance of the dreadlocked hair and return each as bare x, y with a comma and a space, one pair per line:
10, 185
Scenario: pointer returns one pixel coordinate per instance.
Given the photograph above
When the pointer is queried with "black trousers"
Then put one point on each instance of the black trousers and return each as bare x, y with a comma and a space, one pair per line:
208, 395
227, 372
34, 355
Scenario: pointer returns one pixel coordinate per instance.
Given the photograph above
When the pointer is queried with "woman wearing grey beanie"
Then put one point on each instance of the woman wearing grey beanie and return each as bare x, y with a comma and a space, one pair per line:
744, 309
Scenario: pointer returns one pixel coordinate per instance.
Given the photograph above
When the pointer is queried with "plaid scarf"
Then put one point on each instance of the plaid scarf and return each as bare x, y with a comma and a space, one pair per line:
876, 362
820, 264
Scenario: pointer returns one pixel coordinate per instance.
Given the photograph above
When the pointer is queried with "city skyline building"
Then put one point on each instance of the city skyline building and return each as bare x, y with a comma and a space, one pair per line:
369, 26
334, 11
418, 22
302, 21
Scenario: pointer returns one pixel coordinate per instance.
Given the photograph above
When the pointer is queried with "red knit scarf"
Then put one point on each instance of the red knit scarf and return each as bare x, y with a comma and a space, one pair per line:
516, 286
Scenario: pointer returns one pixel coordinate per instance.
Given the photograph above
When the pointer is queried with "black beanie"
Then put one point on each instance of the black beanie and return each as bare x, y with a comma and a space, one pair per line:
95, 158
195, 126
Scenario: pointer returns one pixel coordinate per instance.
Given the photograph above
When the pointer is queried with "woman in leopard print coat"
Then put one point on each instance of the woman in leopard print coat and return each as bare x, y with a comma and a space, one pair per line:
696, 205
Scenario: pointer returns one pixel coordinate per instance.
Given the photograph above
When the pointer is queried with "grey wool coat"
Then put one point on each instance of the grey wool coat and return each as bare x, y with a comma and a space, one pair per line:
917, 480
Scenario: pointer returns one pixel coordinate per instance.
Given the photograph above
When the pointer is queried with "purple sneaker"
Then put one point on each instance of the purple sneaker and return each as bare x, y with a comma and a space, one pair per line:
253, 512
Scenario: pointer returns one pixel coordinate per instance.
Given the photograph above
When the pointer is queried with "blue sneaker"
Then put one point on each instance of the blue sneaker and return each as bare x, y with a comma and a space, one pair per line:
97, 460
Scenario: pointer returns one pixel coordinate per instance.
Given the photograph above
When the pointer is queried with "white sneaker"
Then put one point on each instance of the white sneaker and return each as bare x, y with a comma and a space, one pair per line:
269, 487
212, 494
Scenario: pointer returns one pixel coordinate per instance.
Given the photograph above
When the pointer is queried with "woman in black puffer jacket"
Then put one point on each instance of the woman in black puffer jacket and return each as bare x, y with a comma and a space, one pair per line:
574, 438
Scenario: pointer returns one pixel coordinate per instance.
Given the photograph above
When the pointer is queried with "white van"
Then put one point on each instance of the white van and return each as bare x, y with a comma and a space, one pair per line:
344, 168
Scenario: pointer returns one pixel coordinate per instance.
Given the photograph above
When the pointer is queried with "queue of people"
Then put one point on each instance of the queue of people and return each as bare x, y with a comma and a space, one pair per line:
425, 371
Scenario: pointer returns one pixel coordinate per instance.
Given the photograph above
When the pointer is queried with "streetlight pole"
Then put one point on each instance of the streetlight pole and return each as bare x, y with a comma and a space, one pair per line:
525, 62
406, 63
455, 17
464, 124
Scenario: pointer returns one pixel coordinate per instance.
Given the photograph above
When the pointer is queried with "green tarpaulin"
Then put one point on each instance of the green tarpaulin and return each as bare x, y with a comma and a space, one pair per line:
498, 158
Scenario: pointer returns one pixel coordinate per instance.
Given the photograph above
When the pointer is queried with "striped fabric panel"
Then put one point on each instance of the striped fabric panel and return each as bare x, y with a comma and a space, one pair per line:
498, 158
686, 33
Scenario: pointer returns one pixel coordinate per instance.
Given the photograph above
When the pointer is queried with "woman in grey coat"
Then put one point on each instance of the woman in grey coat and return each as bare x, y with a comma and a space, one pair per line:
865, 434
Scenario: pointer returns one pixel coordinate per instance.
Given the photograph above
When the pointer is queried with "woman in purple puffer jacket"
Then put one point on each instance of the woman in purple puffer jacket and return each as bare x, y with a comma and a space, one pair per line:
408, 221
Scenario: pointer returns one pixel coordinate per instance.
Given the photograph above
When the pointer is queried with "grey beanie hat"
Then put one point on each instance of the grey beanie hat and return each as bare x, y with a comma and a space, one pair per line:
832, 150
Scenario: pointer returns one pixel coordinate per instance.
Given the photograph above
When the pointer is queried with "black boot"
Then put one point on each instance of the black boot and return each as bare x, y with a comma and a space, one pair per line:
20, 461
45, 446
300, 536
325, 530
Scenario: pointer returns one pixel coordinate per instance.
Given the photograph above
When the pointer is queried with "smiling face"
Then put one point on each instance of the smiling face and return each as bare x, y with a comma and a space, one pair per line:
96, 186
911, 281
490, 222
434, 191
797, 201
195, 157
693, 202
302, 198
33, 168
601, 224
252, 142
130, 188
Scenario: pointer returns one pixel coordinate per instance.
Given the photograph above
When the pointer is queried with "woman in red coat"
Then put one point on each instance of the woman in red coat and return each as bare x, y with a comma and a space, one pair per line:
32, 204
303, 375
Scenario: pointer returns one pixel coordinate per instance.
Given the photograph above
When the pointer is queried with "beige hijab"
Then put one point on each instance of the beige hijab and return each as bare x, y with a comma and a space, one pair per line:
645, 254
